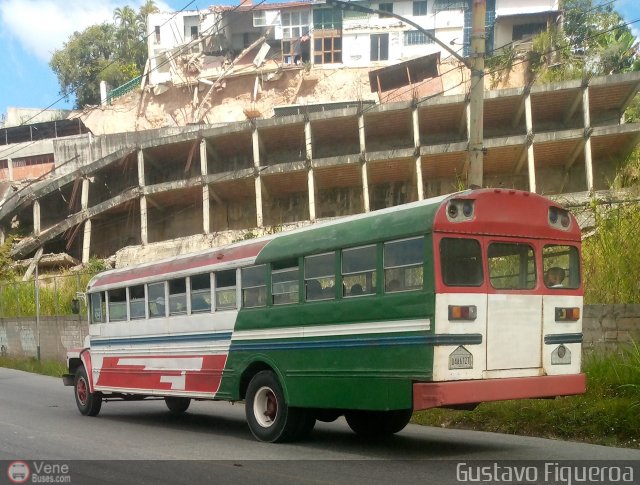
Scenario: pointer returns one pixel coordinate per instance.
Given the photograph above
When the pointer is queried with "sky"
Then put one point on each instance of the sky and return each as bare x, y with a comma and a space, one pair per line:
30, 30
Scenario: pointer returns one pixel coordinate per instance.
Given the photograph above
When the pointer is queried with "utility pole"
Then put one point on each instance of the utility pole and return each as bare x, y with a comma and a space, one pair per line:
476, 94
475, 64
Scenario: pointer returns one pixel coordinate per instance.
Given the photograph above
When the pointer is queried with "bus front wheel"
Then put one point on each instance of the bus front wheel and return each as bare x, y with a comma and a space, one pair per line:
89, 403
269, 417
177, 405
373, 424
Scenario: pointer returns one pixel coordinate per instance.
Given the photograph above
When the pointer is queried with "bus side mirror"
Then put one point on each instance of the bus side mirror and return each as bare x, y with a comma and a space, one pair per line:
75, 306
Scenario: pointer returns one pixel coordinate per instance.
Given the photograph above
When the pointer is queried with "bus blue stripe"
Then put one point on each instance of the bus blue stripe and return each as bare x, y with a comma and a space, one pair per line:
464, 339
443, 339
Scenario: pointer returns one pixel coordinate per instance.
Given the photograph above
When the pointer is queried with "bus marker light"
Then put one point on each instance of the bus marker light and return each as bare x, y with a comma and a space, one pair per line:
567, 314
459, 312
453, 211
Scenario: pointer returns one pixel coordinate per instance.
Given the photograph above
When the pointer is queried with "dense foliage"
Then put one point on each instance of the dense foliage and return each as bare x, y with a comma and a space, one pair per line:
112, 52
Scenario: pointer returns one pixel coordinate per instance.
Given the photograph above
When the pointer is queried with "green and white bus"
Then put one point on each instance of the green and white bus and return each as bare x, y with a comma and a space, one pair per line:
446, 302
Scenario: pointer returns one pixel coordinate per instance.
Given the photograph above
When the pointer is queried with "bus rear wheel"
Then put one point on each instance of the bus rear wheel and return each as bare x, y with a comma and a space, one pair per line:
177, 405
269, 417
89, 403
373, 424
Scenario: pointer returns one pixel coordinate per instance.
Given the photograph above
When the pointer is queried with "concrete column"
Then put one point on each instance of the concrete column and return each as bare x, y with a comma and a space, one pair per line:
144, 235
311, 183
255, 139
141, 168
206, 222
84, 198
588, 161
416, 144
86, 237
36, 218
363, 152
588, 164
531, 166
2, 235
10, 169
86, 242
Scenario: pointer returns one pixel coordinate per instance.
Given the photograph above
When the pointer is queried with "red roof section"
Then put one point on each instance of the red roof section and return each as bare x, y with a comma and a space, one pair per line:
180, 264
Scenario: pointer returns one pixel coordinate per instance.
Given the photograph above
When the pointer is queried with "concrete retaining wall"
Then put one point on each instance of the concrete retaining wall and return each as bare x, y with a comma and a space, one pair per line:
19, 336
605, 328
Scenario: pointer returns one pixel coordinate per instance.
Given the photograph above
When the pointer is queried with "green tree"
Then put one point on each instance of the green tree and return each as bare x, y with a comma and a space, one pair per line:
114, 53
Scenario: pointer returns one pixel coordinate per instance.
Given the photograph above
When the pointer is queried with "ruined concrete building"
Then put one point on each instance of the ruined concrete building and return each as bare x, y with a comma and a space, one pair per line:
230, 137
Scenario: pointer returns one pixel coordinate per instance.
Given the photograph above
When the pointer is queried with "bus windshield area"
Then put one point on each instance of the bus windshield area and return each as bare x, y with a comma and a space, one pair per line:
510, 265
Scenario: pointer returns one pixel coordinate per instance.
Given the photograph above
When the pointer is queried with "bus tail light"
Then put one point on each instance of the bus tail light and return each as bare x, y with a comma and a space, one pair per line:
463, 312
567, 314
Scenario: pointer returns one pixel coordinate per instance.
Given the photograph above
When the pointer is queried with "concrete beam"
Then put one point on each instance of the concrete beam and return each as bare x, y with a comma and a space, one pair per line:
229, 176
31, 243
174, 185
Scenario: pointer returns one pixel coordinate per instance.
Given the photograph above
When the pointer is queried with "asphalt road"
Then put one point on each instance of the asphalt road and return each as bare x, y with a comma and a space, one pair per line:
138, 442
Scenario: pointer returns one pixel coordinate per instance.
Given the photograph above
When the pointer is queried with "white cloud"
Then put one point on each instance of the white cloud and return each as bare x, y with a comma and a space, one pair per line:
42, 26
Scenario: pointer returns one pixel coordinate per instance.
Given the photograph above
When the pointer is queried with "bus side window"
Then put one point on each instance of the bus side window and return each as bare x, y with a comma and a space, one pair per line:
98, 308
117, 304
320, 277
201, 293
403, 265
178, 296
359, 271
254, 286
461, 262
136, 302
156, 302
284, 282
226, 290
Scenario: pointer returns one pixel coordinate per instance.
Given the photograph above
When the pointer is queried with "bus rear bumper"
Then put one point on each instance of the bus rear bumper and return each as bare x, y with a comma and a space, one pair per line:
428, 395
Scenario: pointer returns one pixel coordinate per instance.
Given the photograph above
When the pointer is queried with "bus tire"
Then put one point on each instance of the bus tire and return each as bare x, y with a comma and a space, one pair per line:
269, 417
89, 403
373, 424
177, 405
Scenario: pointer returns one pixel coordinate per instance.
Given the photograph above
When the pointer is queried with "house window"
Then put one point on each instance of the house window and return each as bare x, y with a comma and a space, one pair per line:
419, 8
415, 37
327, 18
327, 47
379, 47
157, 32
194, 32
527, 31
259, 19
295, 24
385, 7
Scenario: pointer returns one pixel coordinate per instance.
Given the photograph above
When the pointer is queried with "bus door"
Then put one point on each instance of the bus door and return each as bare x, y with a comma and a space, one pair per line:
514, 310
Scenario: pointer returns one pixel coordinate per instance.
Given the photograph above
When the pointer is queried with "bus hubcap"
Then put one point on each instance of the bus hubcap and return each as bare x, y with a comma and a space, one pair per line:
82, 391
265, 407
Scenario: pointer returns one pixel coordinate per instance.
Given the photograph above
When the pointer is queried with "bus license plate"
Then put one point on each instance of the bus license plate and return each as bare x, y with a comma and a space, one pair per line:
460, 358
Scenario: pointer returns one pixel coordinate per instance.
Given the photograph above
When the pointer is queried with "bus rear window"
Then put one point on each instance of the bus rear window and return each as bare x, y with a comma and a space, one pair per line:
461, 262
561, 266
512, 266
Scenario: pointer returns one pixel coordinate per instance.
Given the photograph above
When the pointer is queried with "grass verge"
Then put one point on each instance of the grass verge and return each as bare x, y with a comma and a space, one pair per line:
45, 367
608, 414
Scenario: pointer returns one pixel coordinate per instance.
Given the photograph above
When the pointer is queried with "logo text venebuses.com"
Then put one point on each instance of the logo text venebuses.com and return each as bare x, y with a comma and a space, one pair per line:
38, 472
